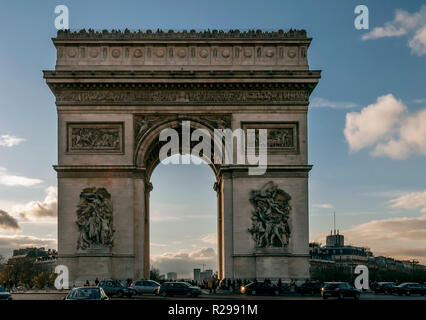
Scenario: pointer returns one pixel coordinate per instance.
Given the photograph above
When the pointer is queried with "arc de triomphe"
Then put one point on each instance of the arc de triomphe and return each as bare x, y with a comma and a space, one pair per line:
115, 92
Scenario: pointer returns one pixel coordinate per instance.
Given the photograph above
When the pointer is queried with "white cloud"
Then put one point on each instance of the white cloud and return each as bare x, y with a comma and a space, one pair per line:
373, 123
324, 103
418, 42
412, 200
10, 180
404, 23
40, 209
419, 101
184, 262
389, 128
410, 138
323, 205
7, 140
209, 238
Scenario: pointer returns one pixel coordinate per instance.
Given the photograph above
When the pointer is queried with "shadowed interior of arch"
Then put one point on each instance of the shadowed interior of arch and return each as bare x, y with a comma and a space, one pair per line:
183, 218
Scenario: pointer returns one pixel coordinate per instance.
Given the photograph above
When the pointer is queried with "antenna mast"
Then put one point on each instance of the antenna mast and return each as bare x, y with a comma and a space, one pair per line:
334, 221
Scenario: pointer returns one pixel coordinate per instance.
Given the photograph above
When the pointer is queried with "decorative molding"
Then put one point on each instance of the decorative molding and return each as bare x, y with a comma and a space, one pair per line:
95, 137
95, 220
91, 34
144, 122
282, 137
182, 97
270, 218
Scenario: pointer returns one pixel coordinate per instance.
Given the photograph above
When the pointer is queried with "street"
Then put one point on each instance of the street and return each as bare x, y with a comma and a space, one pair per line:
220, 296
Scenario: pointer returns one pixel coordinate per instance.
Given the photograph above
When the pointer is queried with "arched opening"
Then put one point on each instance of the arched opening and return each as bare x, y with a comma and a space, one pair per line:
179, 238
183, 220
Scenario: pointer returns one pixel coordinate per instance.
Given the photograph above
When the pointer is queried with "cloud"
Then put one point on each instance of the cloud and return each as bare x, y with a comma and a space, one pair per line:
40, 209
404, 23
7, 140
410, 138
373, 123
184, 262
389, 127
324, 206
418, 42
21, 241
412, 200
209, 238
7, 222
419, 101
324, 103
10, 180
401, 238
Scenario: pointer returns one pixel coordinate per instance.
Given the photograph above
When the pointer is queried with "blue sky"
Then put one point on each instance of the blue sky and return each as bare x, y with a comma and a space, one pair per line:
364, 181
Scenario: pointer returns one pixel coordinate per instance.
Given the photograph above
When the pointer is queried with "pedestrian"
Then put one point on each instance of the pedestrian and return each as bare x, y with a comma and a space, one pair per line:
210, 285
214, 286
96, 281
87, 283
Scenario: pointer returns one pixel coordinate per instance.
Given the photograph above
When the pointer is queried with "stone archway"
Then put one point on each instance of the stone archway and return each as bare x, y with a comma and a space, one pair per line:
115, 91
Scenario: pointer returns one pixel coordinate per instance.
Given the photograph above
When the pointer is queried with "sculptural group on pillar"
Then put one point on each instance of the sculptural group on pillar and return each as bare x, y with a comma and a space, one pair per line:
95, 219
270, 218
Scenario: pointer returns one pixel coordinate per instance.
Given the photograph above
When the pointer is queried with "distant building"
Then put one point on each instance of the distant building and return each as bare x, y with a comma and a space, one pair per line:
172, 276
207, 274
336, 253
45, 260
197, 274
335, 240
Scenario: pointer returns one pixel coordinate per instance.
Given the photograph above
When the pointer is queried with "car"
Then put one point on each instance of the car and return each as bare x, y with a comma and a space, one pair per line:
409, 288
254, 288
178, 288
339, 290
4, 295
115, 288
384, 287
87, 293
310, 288
145, 286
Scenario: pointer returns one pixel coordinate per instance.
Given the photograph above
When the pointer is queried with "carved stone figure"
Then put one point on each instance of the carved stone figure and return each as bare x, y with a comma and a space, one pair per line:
95, 219
95, 138
270, 218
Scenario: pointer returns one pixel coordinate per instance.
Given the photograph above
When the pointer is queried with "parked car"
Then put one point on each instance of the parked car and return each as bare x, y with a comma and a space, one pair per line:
310, 288
115, 288
254, 288
178, 288
409, 288
145, 286
384, 287
4, 295
339, 290
87, 293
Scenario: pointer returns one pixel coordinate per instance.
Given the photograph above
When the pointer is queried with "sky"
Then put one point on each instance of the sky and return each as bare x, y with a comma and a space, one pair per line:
367, 123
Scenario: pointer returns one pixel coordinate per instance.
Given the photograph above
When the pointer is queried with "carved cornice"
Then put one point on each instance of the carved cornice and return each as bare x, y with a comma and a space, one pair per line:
182, 94
91, 34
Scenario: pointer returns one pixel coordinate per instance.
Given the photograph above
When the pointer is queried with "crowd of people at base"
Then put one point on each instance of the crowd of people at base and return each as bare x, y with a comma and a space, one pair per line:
213, 284
234, 285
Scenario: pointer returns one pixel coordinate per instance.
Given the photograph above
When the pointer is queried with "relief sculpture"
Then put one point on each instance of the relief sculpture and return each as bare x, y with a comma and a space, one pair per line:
270, 218
95, 219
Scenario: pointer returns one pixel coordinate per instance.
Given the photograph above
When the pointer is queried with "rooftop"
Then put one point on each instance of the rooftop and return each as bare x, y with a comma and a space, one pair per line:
91, 34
